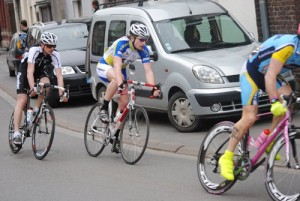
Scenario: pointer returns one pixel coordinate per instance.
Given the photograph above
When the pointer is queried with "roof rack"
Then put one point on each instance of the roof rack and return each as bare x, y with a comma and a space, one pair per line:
121, 2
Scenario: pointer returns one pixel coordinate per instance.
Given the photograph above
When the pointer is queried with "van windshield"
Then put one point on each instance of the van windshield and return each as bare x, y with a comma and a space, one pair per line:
200, 33
71, 37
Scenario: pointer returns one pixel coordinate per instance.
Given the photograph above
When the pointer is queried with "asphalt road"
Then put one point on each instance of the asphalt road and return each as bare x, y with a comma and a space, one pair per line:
68, 173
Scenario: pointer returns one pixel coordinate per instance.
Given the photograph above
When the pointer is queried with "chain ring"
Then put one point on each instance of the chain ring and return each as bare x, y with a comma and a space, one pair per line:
243, 168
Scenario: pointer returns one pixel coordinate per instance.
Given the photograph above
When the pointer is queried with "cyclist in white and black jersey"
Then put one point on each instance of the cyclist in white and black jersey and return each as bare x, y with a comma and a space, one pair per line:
112, 66
37, 64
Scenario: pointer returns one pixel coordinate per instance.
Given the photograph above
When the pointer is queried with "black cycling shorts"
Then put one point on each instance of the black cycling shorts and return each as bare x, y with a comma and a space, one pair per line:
22, 81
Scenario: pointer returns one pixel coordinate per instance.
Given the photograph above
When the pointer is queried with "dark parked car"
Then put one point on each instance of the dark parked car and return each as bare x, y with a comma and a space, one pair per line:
15, 54
72, 40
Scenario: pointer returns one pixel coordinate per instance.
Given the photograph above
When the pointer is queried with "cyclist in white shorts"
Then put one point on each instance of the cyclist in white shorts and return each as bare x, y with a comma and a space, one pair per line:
112, 66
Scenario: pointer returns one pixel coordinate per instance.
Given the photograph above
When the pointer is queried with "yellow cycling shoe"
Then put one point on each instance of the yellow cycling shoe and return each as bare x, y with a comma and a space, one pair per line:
277, 157
226, 165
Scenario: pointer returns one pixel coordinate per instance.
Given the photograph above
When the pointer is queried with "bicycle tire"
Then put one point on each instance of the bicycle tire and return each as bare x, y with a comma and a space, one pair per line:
280, 177
95, 137
43, 132
11, 129
211, 149
133, 142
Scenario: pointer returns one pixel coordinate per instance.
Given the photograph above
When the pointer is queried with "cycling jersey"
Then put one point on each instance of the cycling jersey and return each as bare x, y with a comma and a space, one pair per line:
42, 66
124, 49
284, 48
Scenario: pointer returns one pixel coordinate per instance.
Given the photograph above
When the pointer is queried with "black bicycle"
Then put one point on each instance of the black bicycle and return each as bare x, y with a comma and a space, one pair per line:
42, 123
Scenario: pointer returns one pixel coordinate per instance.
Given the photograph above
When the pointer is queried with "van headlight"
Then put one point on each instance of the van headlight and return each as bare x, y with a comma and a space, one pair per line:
207, 74
66, 70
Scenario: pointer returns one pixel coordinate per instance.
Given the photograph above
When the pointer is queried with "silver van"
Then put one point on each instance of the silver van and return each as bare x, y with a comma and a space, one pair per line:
197, 50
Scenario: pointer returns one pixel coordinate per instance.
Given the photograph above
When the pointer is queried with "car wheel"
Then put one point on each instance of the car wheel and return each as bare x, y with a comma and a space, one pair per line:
53, 99
101, 93
181, 114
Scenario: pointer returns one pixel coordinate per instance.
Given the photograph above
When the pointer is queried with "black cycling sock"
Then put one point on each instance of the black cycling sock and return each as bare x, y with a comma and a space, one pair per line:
117, 133
105, 105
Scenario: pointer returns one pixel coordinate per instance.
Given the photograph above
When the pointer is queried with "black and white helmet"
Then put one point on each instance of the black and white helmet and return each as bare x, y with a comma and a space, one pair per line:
49, 38
139, 30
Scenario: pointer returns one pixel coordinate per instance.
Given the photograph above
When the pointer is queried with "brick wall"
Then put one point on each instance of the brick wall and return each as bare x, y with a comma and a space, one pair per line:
283, 16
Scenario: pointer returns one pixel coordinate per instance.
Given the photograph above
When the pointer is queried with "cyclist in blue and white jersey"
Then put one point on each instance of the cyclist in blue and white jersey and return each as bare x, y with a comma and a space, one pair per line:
112, 66
262, 70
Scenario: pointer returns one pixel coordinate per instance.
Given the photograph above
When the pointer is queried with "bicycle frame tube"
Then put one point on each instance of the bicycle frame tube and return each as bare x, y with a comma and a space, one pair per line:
129, 107
282, 126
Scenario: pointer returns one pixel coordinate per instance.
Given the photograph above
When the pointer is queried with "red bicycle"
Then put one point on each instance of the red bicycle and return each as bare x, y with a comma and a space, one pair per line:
133, 122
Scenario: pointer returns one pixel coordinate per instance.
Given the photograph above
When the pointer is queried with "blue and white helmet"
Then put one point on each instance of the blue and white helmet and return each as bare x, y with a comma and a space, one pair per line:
48, 38
139, 30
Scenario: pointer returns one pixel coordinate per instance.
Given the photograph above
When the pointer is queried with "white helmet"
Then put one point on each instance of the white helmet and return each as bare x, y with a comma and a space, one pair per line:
49, 38
139, 30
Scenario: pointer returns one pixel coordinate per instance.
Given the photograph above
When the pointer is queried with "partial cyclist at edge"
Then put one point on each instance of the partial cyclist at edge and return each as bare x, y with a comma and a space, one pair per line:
37, 64
262, 70
111, 67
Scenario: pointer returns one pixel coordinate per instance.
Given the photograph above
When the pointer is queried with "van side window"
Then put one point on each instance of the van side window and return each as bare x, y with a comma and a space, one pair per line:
98, 38
117, 29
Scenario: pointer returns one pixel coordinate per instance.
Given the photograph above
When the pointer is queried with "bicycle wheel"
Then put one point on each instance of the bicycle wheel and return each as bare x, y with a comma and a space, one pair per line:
282, 179
11, 129
43, 132
134, 135
95, 131
212, 148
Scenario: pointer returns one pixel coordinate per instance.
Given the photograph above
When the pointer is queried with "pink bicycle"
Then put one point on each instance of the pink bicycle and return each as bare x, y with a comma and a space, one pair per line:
282, 177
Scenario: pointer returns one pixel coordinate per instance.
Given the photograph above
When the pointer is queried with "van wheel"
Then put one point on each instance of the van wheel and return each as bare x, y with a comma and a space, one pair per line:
181, 114
101, 93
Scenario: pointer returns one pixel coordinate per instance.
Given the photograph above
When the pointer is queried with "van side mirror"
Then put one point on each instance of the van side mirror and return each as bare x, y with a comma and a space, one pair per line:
153, 54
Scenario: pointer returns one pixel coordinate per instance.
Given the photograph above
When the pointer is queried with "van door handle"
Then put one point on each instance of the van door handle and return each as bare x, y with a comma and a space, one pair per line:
94, 61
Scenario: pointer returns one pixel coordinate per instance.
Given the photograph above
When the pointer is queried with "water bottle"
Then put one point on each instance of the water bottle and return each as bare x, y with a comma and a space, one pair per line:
261, 138
118, 115
29, 115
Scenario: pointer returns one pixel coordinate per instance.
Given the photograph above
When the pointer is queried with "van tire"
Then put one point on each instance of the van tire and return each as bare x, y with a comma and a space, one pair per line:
184, 120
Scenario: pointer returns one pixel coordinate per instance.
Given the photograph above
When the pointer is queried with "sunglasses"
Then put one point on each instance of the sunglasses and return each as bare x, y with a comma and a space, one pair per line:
142, 40
50, 46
